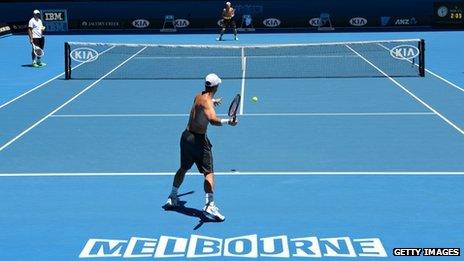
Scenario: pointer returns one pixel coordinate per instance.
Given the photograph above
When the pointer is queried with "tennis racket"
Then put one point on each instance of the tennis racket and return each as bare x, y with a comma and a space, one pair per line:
221, 23
233, 108
37, 50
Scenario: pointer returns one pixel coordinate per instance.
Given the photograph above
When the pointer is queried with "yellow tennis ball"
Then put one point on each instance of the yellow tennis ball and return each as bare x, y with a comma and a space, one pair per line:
254, 99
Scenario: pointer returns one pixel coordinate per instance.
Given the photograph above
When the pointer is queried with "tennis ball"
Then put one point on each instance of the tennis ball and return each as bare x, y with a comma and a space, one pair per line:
254, 99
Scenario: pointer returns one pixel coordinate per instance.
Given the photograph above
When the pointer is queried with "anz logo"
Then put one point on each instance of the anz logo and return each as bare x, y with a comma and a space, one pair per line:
404, 52
84, 55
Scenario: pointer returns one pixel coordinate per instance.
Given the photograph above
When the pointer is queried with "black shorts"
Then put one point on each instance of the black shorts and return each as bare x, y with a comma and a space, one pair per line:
228, 23
40, 42
196, 148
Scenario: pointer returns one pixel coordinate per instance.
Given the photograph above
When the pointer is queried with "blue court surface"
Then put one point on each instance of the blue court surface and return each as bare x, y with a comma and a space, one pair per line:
334, 168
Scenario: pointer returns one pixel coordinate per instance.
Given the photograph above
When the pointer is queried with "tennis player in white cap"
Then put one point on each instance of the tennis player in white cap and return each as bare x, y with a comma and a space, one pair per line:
36, 38
195, 146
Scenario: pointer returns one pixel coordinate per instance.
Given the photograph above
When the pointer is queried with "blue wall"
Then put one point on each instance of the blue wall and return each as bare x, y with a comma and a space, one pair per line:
201, 14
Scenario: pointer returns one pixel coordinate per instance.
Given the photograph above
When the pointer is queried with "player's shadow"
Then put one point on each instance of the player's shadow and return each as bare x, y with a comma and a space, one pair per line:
192, 212
26, 65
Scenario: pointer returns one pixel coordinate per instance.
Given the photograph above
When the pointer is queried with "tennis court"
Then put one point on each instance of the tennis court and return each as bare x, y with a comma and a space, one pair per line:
326, 154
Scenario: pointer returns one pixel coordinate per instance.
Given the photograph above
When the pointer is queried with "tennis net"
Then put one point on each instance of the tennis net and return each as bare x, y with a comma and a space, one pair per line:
394, 58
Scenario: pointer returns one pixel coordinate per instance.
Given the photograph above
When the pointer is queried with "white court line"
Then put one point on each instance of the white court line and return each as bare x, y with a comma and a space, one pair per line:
122, 115
237, 173
342, 114
432, 73
45, 83
67, 102
445, 80
249, 114
409, 92
237, 57
242, 89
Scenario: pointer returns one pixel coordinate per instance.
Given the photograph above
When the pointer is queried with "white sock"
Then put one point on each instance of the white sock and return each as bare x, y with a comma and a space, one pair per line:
209, 199
173, 192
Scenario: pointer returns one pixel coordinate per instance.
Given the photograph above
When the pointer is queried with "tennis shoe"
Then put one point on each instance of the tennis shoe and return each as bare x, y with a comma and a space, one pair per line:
219, 39
172, 202
236, 38
212, 210
34, 64
41, 64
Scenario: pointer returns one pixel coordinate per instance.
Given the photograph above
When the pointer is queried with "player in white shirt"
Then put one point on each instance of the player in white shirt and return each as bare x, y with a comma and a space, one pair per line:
36, 37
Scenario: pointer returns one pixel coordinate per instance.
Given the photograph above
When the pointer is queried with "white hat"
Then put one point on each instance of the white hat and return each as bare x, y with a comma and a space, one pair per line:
36, 11
212, 80
228, 3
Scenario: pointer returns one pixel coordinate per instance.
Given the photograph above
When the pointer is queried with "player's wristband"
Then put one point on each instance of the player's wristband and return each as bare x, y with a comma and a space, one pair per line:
224, 121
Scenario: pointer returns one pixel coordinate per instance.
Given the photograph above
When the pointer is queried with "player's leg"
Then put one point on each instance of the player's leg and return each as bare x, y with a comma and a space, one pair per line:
234, 26
173, 200
210, 206
221, 33
34, 57
205, 166
208, 186
41, 45
179, 177
186, 162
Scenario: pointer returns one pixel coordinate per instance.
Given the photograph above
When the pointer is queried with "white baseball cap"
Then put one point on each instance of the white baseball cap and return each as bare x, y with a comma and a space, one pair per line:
36, 11
212, 80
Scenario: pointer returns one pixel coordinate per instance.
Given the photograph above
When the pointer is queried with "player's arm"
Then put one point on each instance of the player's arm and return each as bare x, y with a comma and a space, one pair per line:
224, 13
211, 115
232, 12
29, 32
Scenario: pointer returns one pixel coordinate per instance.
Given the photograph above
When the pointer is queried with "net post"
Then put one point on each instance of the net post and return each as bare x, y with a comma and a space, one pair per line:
67, 61
422, 58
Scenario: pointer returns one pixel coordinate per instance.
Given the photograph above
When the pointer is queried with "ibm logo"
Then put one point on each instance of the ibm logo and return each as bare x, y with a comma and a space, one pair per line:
54, 16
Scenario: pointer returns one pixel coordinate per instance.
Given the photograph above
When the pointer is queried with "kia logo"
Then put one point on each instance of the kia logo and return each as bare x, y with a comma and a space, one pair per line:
316, 22
140, 23
358, 21
84, 55
404, 52
271, 22
182, 23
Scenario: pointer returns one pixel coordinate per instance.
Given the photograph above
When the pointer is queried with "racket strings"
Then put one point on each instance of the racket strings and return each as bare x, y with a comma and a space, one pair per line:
234, 106
38, 51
